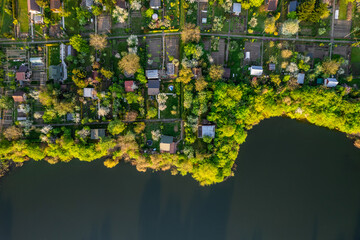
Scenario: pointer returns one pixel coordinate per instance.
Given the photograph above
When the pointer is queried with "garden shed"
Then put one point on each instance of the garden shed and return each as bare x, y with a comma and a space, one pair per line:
152, 74
89, 92
330, 82
272, 5
153, 87
97, 133
129, 86
206, 131
55, 72
170, 69
301, 78
33, 7
227, 73
256, 70
292, 6
167, 144
155, 4
237, 8
23, 73
55, 5
19, 96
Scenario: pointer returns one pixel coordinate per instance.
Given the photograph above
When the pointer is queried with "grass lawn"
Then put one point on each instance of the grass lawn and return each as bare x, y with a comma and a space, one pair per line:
71, 22
54, 55
136, 24
6, 19
355, 55
355, 61
342, 9
172, 104
23, 17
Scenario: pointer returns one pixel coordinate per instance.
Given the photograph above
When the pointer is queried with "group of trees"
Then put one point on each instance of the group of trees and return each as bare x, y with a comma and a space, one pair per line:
312, 11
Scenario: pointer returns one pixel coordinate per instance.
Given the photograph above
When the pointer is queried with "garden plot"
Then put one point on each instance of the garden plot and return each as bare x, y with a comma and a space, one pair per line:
237, 24
343, 51
172, 109
104, 24
342, 28
154, 130
219, 56
172, 12
172, 47
314, 51
254, 48
136, 22
55, 31
355, 61
203, 14
154, 46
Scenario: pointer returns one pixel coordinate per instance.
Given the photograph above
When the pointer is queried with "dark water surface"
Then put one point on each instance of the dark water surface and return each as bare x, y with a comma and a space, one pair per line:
293, 181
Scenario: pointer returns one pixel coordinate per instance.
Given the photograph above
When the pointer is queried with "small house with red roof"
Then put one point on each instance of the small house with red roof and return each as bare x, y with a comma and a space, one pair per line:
129, 86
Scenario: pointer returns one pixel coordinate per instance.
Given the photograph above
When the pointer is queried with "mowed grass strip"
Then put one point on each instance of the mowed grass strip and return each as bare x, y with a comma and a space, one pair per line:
6, 19
23, 17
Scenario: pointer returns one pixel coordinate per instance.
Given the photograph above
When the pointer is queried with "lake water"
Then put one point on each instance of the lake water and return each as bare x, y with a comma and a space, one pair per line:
293, 181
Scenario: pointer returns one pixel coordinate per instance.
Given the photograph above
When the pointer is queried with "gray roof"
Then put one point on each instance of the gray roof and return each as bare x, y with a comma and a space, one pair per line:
55, 72
155, 3
292, 6
170, 69
206, 131
152, 74
23, 68
97, 133
153, 87
167, 139
33, 6
236, 7
301, 78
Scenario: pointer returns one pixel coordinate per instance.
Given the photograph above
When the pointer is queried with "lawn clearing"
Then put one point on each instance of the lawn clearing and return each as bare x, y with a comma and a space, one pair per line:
54, 55
23, 17
355, 61
342, 9
6, 19
172, 106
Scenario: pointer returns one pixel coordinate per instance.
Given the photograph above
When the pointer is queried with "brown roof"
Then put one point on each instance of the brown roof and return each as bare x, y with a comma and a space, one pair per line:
128, 86
32, 6
55, 4
20, 76
226, 73
18, 96
272, 5
121, 3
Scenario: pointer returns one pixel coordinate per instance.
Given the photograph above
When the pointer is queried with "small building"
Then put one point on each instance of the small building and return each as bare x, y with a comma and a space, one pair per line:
256, 70
272, 66
227, 73
90, 92
55, 72
167, 144
319, 81
23, 73
33, 7
89, 3
152, 74
19, 96
38, 19
330, 82
247, 56
272, 5
36, 61
97, 134
236, 8
129, 86
155, 4
170, 69
55, 6
292, 6
153, 87
206, 131
203, 20
121, 4
301, 78
197, 72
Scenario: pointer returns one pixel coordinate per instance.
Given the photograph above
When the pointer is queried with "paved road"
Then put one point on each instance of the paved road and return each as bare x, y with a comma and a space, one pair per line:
106, 123
332, 40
